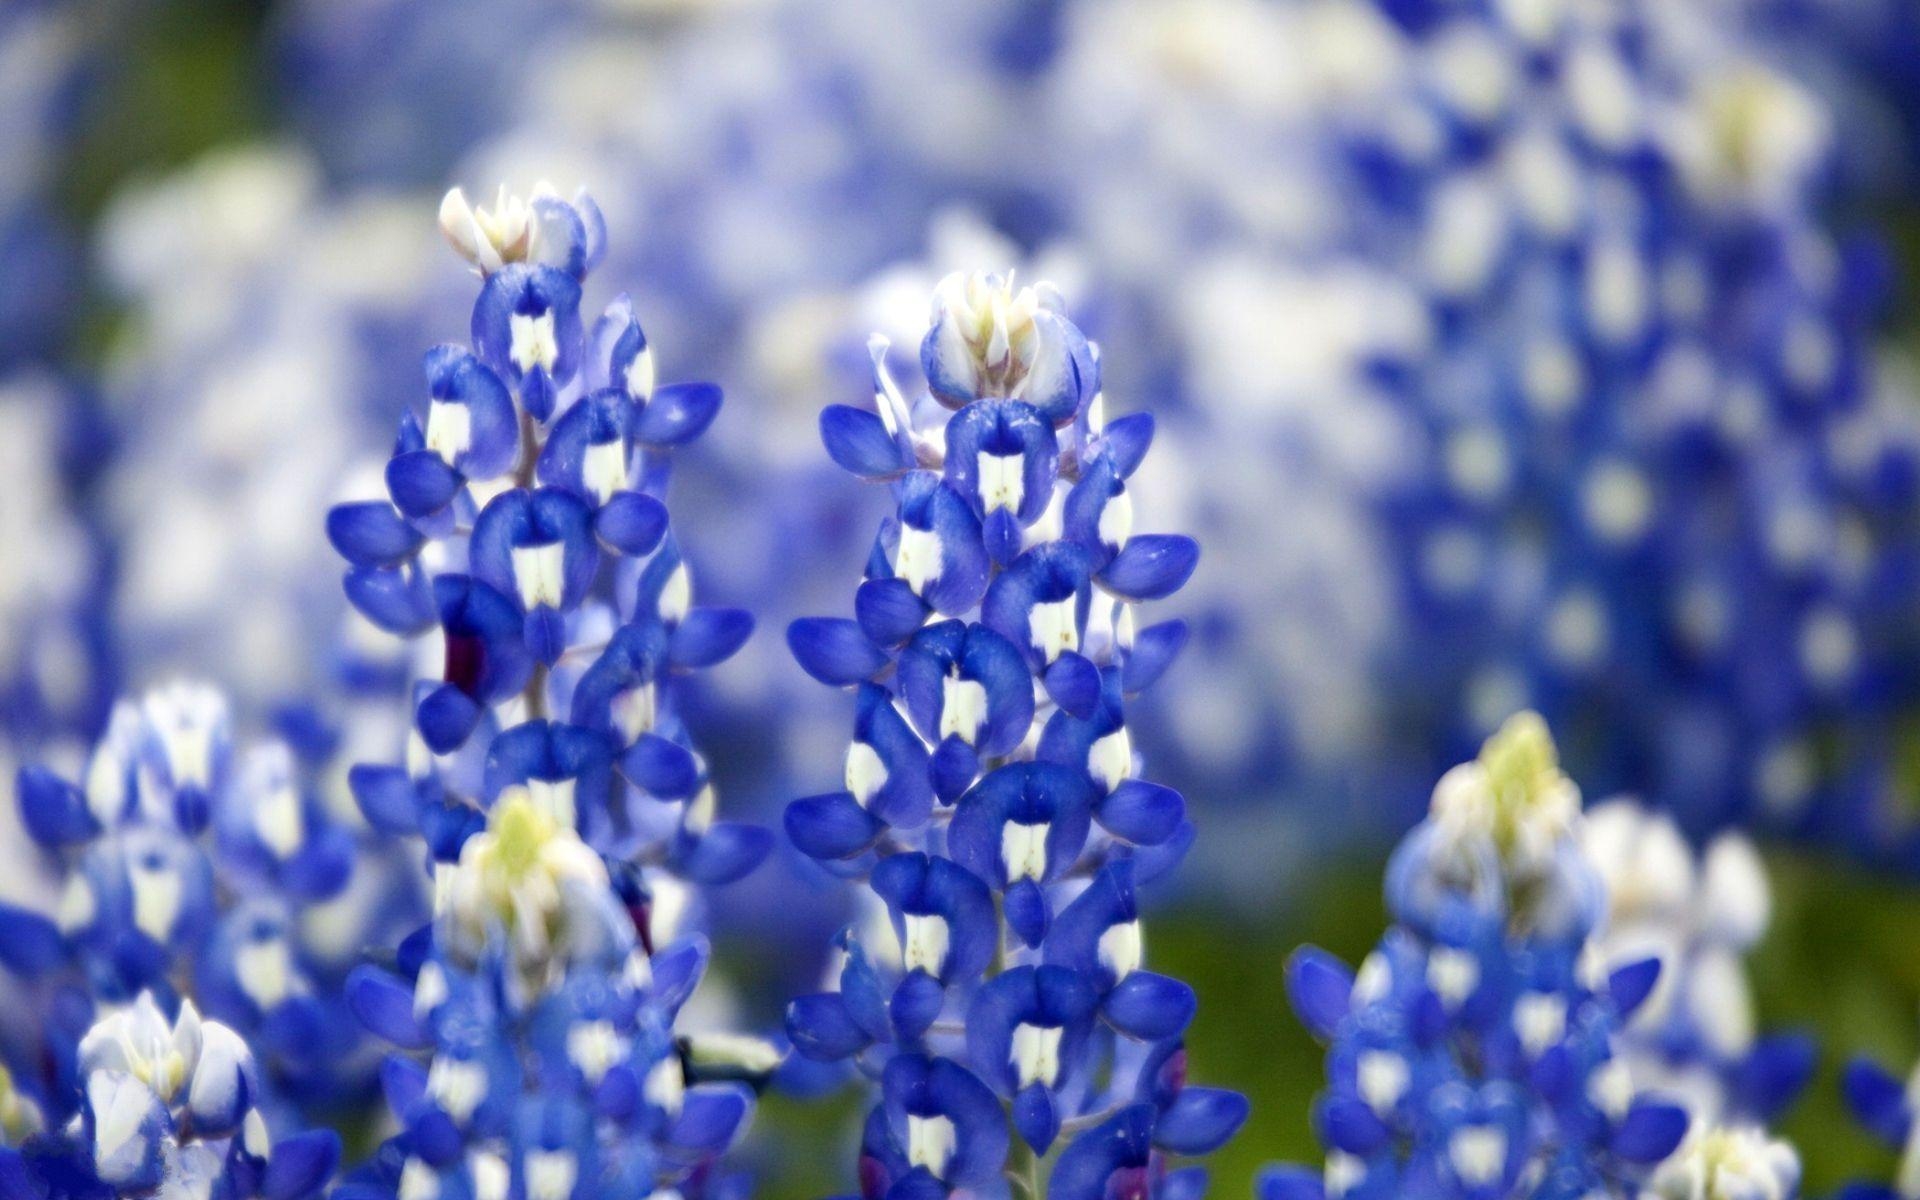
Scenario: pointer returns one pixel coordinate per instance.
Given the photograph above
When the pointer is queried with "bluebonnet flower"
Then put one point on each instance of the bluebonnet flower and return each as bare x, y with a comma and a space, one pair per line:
1480, 1051
167, 1107
190, 867
993, 806
523, 541
1696, 1036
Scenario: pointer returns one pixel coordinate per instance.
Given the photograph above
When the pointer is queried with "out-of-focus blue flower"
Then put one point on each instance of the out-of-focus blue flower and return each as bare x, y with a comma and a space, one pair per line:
992, 804
189, 866
1481, 1050
1696, 1036
523, 541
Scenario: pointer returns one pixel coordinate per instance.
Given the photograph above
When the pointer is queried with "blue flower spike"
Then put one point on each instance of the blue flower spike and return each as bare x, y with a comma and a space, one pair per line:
1493, 1045
550, 785
992, 802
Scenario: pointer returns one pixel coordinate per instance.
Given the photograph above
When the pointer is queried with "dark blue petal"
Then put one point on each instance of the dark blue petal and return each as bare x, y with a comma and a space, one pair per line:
677, 971
301, 1165
1649, 1132
54, 811
1027, 912
402, 1082
384, 1005
1152, 566
726, 852
661, 767
397, 600
1290, 1183
859, 442
834, 650
915, 1005
710, 1115
706, 636
1348, 1124
888, 611
632, 523
1074, 683
1320, 988
1149, 1007
832, 826
1154, 650
1774, 1073
1089, 1163
821, 1028
677, 414
1035, 1117
1127, 439
1143, 813
1200, 1120
371, 533
421, 483
1629, 986
30, 944
386, 797
445, 717
1878, 1100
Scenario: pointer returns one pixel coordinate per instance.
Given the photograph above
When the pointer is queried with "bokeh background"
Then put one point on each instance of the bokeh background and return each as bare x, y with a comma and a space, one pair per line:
1506, 353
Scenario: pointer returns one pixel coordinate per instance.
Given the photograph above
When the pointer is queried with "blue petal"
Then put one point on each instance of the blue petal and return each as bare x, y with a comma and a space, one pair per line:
1074, 683
1629, 986
1649, 1132
402, 1083
661, 767
1348, 1124
677, 414
1027, 912
1036, 1118
632, 523
397, 600
384, 1005
386, 797
301, 1165
821, 1028
710, 1116
1289, 1183
834, 650
1127, 439
726, 852
915, 1005
677, 971
1089, 1163
1152, 566
371, 533
1774, 1074
1150, 1007
832, 826
888, 611
445, 718
1878, 1100
1143, 813
1320, 988
859, 442
706, 636
421, 483
30, 944
54, 811
1200, 1120
1154, 650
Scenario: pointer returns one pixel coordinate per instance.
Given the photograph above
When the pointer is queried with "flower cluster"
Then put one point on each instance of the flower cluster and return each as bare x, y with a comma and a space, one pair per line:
1478, 1052
196, 876
524, 541
1696, 1035
993, 805
1662, 497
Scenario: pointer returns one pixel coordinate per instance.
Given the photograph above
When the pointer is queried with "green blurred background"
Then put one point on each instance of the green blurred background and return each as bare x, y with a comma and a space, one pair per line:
1842, 958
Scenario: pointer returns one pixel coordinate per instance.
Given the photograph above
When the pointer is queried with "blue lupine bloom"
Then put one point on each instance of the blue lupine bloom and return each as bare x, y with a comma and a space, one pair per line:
524, 540
166, 1107
1481, 1051
992, 804
1696, 1034
192, 875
